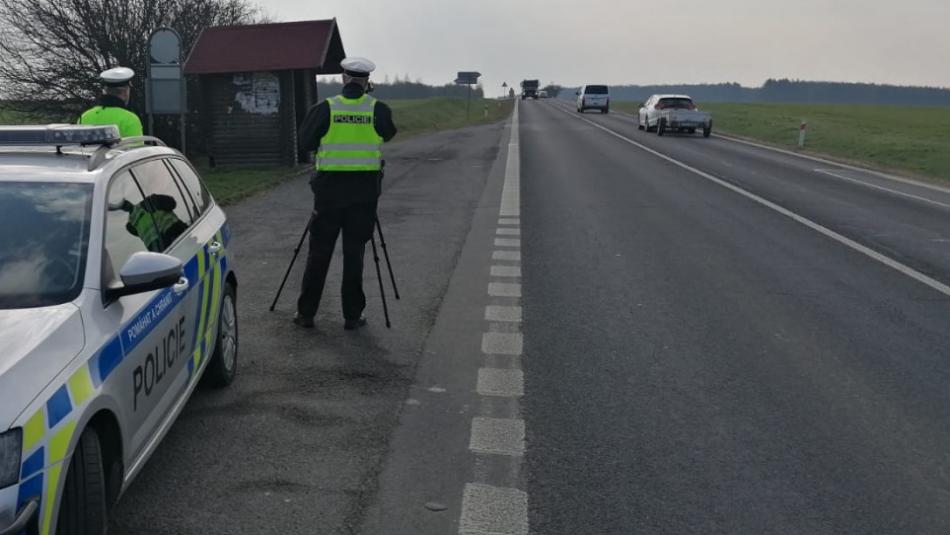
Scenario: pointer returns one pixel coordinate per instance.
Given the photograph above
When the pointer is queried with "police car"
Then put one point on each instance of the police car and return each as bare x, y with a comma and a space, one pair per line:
116, 295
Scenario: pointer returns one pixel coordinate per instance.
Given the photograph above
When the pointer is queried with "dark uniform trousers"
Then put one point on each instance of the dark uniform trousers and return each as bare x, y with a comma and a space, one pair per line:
357, 222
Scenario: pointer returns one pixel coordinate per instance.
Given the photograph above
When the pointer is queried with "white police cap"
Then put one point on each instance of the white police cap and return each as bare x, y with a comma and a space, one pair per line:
358, 67
117, 77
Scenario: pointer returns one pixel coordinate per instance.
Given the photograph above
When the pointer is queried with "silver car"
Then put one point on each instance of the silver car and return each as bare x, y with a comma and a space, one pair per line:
116, 295
673, 113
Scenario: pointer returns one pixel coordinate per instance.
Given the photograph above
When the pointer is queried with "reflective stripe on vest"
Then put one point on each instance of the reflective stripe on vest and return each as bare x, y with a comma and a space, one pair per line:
351, 143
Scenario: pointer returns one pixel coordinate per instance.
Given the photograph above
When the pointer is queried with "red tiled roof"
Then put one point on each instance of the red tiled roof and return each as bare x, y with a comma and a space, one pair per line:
312, 44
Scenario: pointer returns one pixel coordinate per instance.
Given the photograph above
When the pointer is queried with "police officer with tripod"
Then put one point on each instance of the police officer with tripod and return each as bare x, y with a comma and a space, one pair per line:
346, 133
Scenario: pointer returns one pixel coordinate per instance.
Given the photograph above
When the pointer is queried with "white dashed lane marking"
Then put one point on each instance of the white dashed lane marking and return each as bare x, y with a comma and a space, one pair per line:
503, 289
507, 242
500, 383
506, 271
514, 256
488, 510
497, 436
502, 343
503, 313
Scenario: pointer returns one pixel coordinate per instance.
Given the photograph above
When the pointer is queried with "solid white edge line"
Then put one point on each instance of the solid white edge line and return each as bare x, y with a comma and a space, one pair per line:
831, 172
887, 261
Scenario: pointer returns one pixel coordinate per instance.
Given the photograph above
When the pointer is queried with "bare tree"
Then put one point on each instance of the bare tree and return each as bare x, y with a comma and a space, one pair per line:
51, 51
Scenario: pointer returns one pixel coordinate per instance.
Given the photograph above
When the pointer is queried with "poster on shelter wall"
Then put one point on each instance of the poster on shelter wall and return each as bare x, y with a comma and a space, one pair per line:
258, 92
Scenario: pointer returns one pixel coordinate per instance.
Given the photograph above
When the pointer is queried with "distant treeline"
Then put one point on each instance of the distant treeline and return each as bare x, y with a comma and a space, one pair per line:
790, 91
404, 90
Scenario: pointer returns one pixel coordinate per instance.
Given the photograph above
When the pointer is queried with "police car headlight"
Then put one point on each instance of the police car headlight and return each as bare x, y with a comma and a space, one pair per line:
11, 443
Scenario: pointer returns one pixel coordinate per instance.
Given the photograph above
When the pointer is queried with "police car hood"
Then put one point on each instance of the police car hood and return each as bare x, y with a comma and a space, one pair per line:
35, 345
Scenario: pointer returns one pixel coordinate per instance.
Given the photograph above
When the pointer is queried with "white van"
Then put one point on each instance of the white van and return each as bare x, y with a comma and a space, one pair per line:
593, 97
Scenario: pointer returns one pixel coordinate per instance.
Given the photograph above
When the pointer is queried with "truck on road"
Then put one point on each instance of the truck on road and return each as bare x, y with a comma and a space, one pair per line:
529, 89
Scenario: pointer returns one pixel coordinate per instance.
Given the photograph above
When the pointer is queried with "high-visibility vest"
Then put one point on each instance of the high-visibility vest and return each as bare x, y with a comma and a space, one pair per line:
151, 226
129, 123
351, 143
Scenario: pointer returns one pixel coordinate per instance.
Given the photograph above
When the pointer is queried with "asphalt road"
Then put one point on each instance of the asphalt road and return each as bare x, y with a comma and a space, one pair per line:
602, 332
696, 362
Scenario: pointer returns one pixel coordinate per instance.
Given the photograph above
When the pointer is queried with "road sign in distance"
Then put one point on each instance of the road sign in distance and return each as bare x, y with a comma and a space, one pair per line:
467, 78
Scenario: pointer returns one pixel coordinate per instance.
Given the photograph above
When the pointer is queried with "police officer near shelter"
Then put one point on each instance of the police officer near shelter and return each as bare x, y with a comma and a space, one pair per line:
112, 108
346, 132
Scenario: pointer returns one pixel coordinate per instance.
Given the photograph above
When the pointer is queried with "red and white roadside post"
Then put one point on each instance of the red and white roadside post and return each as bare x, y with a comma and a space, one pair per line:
801, 133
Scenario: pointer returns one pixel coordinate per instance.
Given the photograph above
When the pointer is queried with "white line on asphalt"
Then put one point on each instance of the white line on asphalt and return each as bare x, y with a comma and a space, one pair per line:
504, 289
887, 261
830, 172
497, 436
503, 313
502, 344
825, 161
507, 242
500, 383
507, 255
488, 510
506, 271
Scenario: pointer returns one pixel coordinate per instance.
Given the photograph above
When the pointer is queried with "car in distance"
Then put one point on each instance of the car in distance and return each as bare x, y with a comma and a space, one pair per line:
542, 94
673, 113
593, 97
117, 294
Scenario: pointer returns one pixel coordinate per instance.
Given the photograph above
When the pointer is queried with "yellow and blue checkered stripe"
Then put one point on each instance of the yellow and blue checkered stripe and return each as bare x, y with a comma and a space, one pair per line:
50, 430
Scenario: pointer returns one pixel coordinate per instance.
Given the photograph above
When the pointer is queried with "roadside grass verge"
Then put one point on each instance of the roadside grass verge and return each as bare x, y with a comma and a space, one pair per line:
424, 116
913, 140
229, 185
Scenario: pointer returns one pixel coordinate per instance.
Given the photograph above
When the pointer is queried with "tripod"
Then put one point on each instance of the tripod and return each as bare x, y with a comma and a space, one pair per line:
379, 274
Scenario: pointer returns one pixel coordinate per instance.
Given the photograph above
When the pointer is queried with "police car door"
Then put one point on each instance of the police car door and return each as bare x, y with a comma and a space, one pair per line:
136, 367
211, 234
158, 387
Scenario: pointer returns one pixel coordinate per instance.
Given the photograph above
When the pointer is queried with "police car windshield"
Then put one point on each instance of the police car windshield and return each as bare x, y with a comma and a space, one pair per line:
44, 230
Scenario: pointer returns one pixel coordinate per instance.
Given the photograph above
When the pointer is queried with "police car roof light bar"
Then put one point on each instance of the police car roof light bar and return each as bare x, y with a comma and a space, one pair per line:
58, 135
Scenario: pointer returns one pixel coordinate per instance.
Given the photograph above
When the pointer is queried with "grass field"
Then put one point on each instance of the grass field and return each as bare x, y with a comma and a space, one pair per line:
412, 117
909, 139
416, 117
230, 185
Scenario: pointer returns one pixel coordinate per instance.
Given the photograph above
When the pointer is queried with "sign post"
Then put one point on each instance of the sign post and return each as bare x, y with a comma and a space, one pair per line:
468, 78
504, 89
801, 133
165, 81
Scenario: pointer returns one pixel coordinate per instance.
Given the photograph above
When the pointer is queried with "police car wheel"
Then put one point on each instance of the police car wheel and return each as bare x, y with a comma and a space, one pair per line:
82, 508
223, 365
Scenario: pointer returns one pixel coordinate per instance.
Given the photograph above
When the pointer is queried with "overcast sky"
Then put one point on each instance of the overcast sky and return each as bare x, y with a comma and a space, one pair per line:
643, 42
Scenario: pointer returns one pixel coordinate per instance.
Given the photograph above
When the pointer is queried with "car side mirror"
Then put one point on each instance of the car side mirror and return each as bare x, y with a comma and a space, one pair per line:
147, 272
577, 93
